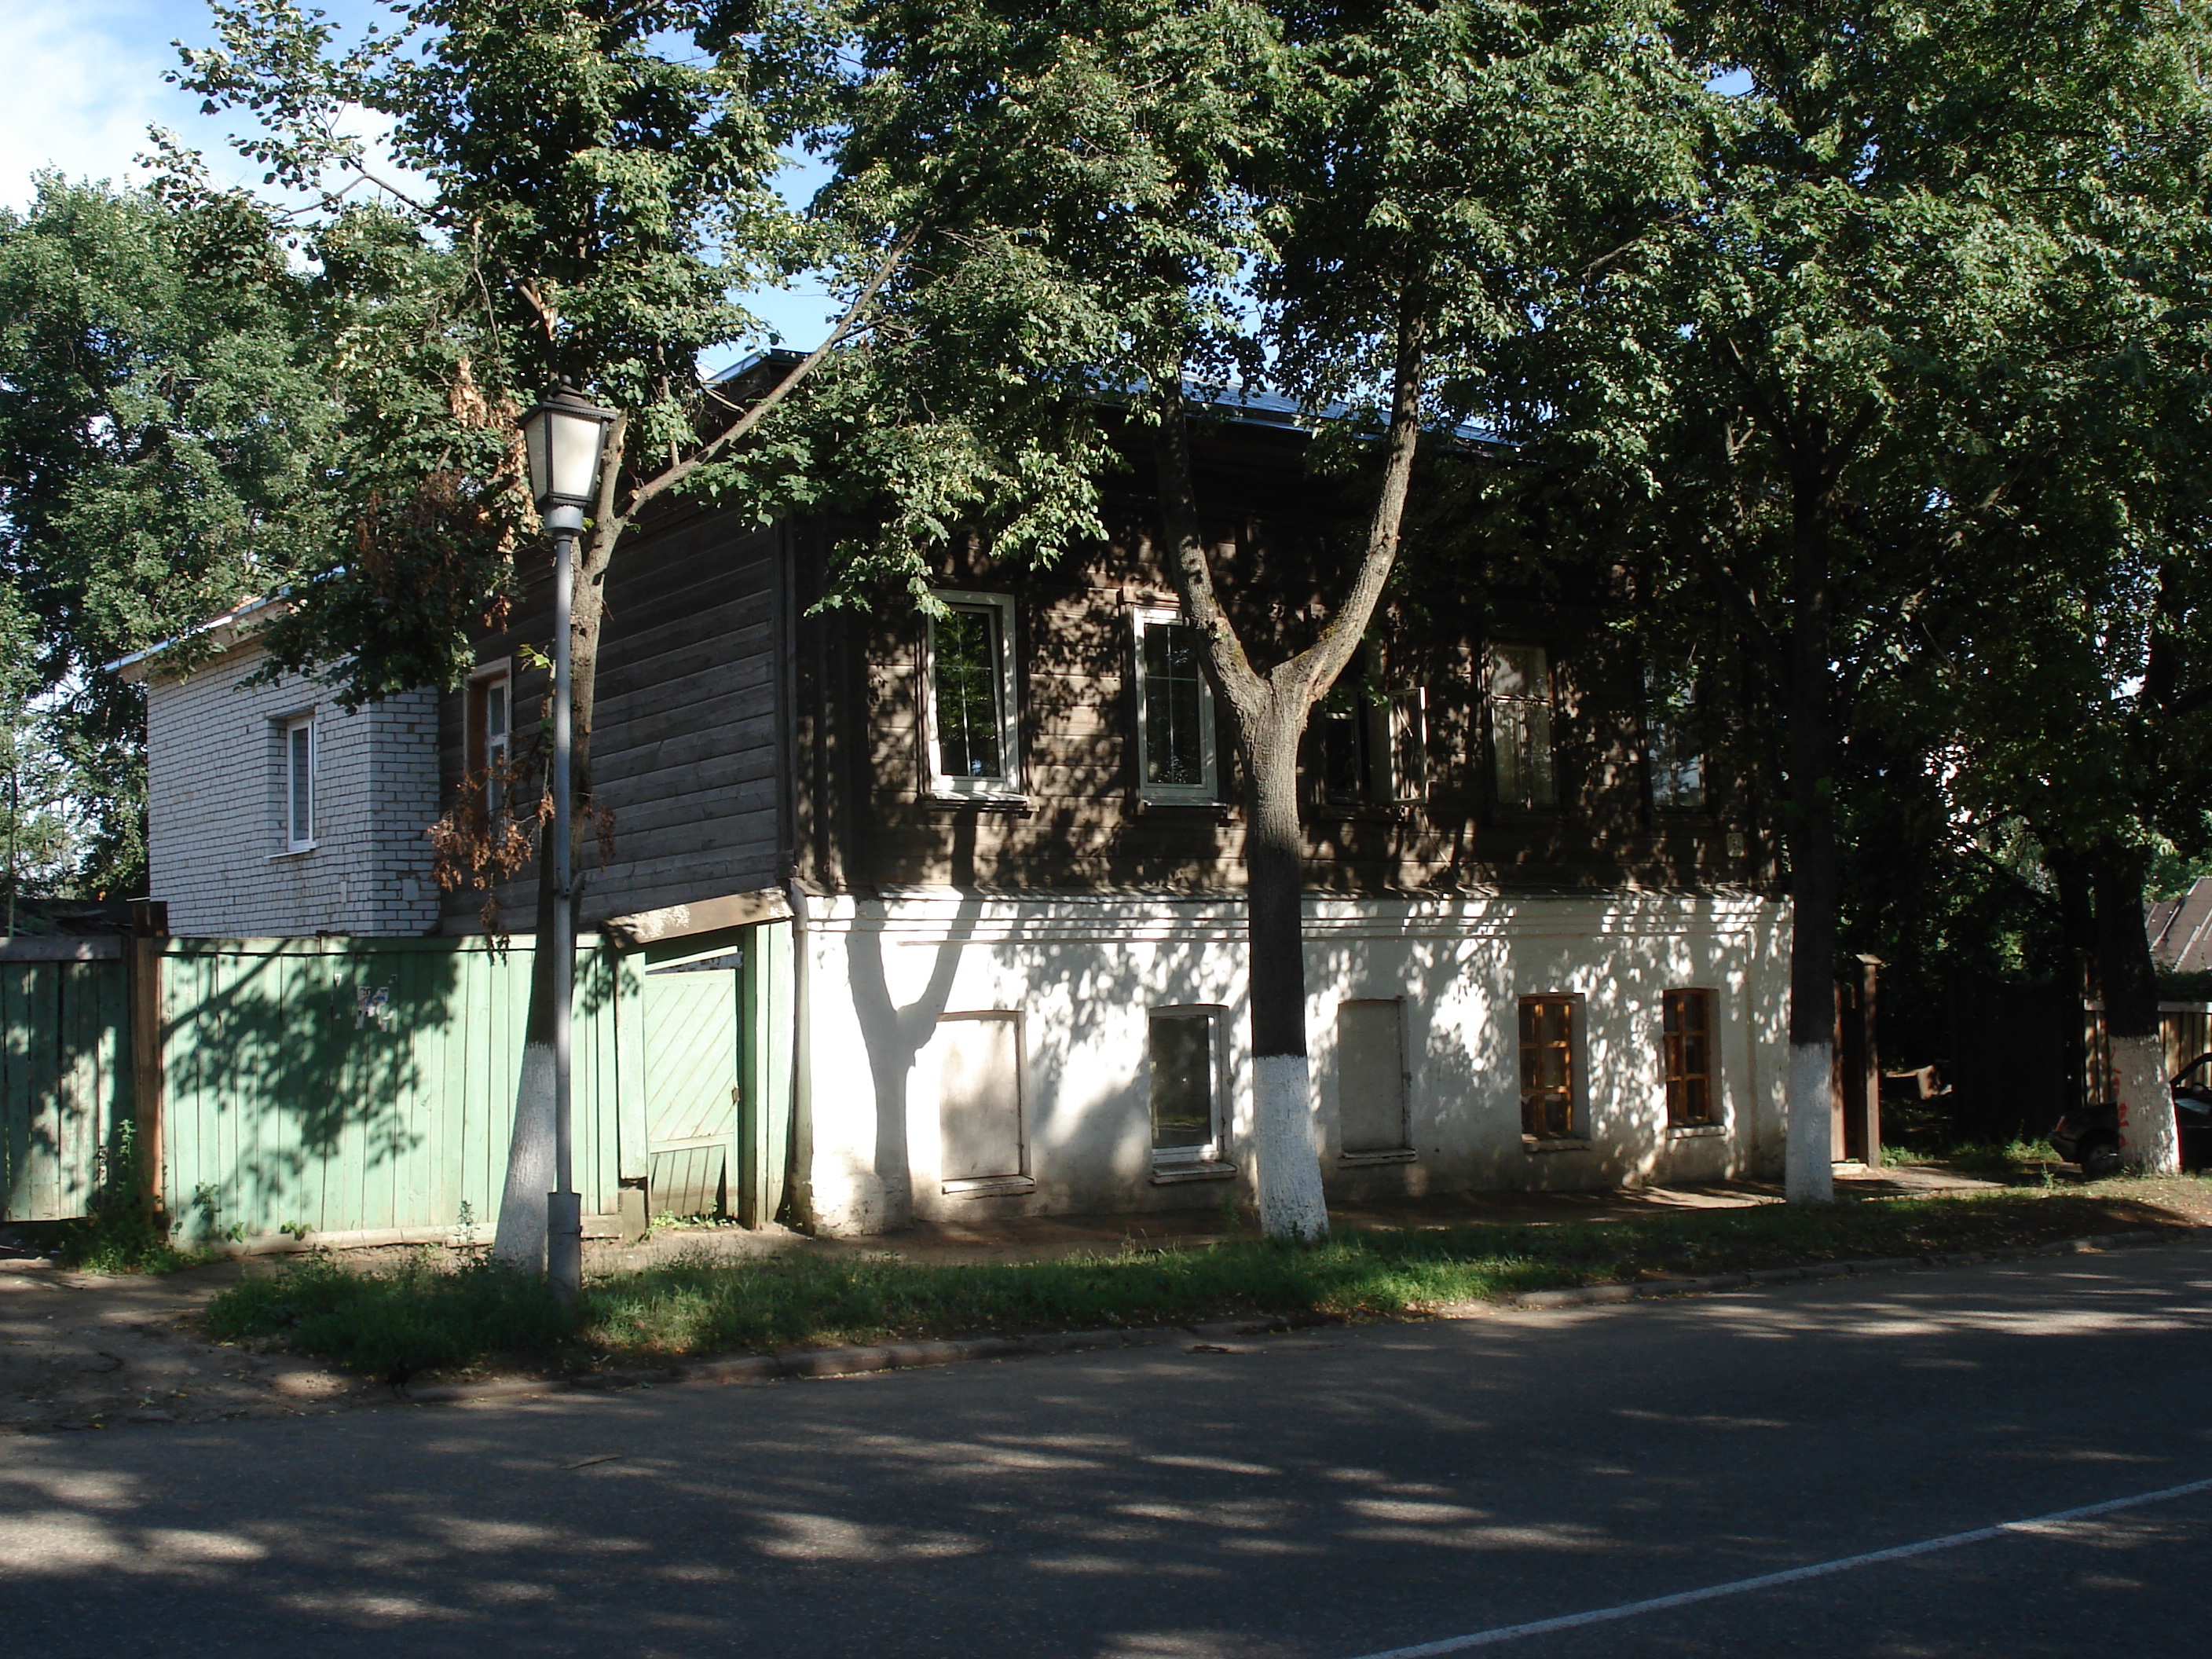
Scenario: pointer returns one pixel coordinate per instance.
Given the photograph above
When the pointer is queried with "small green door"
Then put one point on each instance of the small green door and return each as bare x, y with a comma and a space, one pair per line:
690, 1018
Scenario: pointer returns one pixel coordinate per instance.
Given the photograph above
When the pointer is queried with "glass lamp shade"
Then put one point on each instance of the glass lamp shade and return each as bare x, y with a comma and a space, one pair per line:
563, 435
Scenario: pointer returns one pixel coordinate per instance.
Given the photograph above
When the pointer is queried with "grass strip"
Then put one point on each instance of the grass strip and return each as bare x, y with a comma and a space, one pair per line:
425, 1317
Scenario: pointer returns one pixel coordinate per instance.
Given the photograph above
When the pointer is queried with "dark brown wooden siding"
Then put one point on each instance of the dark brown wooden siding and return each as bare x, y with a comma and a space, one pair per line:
867, 819
690, 733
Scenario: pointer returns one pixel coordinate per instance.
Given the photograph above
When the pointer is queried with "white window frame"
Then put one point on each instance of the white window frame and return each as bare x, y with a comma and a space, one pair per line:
480, 746
294, 842
1213, 1154
1207, 792
1008, 786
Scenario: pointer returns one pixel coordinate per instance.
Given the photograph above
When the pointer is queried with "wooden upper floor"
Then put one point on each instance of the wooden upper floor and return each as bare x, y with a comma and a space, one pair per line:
1050, 728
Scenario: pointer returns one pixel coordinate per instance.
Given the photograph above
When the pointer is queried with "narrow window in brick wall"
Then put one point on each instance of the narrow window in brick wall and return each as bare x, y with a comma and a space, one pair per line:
1685, 1034
1547, 1067
299, 783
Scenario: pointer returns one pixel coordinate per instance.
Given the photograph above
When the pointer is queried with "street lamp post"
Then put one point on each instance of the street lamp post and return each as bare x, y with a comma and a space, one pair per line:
564, 435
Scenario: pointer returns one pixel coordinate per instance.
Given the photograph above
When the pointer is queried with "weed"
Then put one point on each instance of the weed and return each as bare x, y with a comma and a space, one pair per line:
119, 1234
416, 1318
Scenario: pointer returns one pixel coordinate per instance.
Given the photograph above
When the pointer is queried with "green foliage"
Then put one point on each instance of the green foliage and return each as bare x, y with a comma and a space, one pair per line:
588, 191
415, 1319
162, 412
119, 1233
421, 1319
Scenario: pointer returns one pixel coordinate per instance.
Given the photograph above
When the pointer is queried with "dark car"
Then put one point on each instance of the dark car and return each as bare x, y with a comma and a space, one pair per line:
2091, 1136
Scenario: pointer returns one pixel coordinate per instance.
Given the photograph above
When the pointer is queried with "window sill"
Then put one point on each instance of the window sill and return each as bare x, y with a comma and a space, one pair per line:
990, 1186
1003, 800
1401, 1155
1538, 1144
1695, 1131
1172, 1174
1192, 802
295, 852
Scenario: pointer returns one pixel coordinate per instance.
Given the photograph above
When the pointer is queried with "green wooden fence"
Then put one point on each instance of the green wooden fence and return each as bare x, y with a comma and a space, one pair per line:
65, 1076
342, 1085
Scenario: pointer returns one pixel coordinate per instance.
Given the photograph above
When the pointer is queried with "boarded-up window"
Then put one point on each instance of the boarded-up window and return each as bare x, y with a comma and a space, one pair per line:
1185, 1073
1520, 726
1370, 1076
1547, 1067
978, 1065
1687, 1036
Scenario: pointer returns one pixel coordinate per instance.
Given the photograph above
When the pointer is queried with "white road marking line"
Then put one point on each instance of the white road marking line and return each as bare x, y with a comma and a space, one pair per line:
2057, 1519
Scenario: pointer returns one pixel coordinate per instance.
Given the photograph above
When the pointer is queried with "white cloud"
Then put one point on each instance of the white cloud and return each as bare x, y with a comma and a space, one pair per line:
84, 83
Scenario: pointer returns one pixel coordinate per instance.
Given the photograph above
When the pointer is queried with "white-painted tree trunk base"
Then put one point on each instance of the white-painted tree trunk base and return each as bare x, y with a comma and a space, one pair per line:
1284, 1157
521, 1241
2149, 1142
1809, 1167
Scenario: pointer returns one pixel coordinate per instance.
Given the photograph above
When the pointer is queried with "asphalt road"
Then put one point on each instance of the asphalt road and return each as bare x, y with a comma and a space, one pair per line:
1322, 1497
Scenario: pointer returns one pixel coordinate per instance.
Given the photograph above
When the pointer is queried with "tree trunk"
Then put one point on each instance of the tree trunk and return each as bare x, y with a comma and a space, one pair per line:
1271, 711
1286, 1160
2149, 1142
1815, 873
519, 1240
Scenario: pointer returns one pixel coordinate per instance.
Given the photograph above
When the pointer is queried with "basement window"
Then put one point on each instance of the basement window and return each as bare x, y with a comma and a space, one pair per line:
1686, 1038
1549, 1069
1186, 1086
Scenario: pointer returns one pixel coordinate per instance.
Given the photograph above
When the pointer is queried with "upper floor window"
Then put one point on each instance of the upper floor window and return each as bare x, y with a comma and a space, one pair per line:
1368, 747
1671, 758
974, 738
1175, 712
1344, 744
1520, 726
1547, 1067
1686, 1046
299, 814
491, 735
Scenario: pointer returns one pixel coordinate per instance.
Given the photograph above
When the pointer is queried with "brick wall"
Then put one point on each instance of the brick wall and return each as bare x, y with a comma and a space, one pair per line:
215, 763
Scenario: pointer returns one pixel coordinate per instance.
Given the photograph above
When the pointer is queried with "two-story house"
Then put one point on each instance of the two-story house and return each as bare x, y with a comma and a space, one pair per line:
1543, 949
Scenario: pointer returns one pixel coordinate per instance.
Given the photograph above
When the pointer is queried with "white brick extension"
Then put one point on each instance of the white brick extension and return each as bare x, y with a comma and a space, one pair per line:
215, 829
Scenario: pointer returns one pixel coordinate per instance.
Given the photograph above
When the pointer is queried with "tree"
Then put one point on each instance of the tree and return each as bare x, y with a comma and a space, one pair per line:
599, 194
1354, 203
1805, 382
162, 410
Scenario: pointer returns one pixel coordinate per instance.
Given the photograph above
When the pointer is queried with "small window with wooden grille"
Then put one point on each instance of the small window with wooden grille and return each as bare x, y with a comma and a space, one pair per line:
1547, 1067
1686, 1036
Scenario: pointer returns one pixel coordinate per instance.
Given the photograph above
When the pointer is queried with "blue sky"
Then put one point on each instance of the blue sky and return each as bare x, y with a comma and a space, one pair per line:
84, 83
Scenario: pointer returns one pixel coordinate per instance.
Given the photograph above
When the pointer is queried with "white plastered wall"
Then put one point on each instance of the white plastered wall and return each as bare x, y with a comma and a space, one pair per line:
1084, 972
216, 848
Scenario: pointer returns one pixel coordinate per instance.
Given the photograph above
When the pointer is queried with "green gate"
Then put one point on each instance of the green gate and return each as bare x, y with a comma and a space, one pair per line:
64, 1074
